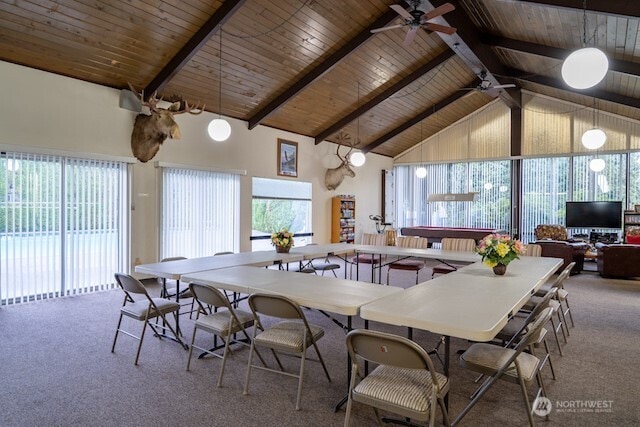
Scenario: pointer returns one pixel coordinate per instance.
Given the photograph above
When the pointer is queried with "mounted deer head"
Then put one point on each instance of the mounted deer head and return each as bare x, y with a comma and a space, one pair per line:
333, 177
150, 131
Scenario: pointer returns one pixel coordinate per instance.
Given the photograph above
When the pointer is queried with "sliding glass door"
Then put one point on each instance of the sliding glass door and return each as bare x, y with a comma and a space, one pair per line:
63, 225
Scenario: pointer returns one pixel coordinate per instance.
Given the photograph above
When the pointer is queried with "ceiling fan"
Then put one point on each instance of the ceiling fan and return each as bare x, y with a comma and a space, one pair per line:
486, 85
417, 19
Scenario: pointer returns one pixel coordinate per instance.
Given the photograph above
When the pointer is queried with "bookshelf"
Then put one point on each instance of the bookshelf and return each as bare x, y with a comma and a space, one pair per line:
343, 219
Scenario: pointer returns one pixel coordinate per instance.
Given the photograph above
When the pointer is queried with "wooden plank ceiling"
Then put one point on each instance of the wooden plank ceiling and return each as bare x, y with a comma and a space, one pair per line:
313, 67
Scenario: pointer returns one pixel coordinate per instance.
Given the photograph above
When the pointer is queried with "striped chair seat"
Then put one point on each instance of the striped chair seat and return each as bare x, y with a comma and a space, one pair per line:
218, 323
489, 358
288, 336
407, 388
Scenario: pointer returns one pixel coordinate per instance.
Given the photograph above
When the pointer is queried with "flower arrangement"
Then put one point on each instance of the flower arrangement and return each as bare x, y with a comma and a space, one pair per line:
282, 239
499, 249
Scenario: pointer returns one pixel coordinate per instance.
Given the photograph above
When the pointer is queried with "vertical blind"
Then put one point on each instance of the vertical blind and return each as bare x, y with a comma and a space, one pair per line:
490, 179
63, 225
200, 212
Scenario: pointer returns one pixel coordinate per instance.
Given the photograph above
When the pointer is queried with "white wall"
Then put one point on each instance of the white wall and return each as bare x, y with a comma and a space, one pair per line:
43, 111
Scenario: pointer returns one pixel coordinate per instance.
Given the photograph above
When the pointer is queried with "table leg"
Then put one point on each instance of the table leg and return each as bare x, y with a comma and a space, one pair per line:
447, 352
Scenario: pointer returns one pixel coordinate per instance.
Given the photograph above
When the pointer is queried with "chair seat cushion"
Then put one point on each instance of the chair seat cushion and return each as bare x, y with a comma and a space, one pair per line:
288, 336
138, 309
409, 389
366, 259
488, 358
445, 268
326, 266
407, 264
218, 323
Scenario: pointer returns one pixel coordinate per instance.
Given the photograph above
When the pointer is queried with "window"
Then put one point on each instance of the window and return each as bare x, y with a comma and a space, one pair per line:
277, 204
63, 225
491, 180
200, 212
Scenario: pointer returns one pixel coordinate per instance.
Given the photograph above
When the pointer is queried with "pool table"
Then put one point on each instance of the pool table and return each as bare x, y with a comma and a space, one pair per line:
435, 234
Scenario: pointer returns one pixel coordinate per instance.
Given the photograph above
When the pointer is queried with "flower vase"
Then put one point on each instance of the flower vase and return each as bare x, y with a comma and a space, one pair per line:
283, 249
500, 269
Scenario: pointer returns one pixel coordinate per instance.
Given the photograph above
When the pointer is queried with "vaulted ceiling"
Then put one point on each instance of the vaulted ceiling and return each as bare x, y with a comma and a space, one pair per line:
313, 66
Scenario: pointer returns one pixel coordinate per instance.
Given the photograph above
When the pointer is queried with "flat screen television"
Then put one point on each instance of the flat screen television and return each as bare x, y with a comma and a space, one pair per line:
594, 215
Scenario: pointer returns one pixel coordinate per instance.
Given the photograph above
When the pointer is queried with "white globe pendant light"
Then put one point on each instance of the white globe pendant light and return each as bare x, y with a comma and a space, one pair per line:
585, 68
597, 165
594, 138
421, 172
357, 158
219, 129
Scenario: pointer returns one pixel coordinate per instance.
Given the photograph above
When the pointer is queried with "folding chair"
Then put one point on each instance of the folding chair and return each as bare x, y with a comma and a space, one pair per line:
225, 323
409, 264
170, 288
145, 309
450, 244
292, 335
404, 382
511, 364
373, 259
533, 250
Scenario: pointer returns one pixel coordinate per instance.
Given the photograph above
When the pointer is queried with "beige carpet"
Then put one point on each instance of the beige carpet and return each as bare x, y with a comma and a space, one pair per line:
56, 369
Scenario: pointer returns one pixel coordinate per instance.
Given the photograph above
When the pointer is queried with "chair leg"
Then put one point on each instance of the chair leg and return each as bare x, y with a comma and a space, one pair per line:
568, 310
564, 320
388, 271
245, 391
321, 361
555, 334
301, 378
561, 325
193, 338
224, 359
445, 413
144, 328
546, 348
113, 347
525, 395
352, 384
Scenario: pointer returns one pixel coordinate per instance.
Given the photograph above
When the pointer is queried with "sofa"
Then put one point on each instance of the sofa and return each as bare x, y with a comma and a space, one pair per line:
553, 239
619, 260
569, 252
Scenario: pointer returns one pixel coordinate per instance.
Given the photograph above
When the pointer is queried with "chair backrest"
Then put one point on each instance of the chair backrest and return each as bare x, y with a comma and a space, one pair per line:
374, 239
412, 242
130, 284
459, 245
564, 274
388, 349
275, 306
208, 295
223, 253
534, 330
550, 231
533, 250
539, 307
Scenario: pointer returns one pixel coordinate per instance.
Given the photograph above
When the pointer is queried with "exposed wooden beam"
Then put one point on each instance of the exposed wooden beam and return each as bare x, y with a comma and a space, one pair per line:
322, 68
202, 36
516, 128
414, 121
605, 7
558, 84
385, 94
617, 65
466, 42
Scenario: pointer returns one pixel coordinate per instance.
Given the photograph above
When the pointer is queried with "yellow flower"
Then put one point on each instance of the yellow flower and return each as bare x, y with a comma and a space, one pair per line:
490, 263
502, 249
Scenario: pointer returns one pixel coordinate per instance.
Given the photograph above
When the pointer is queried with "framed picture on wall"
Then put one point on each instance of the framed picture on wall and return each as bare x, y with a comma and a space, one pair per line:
287, 158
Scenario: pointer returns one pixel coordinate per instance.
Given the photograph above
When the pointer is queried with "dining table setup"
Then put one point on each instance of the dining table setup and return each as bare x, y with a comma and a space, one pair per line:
472, 303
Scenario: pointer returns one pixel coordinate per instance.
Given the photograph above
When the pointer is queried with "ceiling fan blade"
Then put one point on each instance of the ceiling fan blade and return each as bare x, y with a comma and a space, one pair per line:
402, 11
411, 34
390, 27
440, 10
504, 86
440, 28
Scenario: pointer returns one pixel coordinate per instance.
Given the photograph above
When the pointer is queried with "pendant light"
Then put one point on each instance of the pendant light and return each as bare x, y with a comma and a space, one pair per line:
219, 129
357, 158
597, 164
595, 137
421, 172
586, 67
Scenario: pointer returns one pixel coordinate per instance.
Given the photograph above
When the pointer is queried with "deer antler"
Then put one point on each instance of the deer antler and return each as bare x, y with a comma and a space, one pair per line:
187, 109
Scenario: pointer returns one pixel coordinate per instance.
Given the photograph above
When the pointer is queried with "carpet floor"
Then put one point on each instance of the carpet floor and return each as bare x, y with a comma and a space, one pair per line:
56, 369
